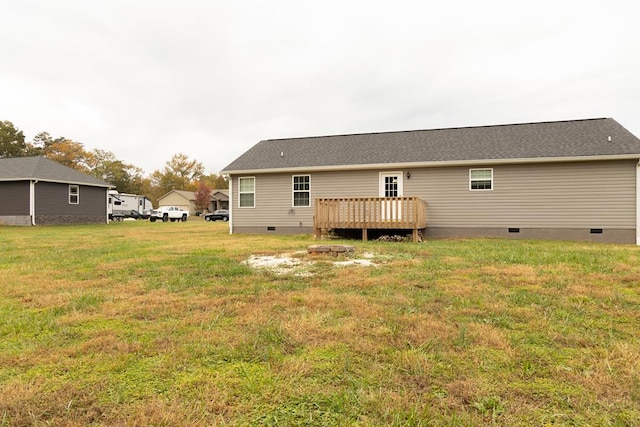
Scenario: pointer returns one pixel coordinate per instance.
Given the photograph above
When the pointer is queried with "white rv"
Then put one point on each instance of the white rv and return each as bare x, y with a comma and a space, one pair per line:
121, 206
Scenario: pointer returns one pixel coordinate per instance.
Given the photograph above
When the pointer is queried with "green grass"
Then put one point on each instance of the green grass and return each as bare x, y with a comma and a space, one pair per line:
162, 324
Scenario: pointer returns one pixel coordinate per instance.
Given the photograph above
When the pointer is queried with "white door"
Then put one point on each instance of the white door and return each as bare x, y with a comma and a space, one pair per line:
391, 186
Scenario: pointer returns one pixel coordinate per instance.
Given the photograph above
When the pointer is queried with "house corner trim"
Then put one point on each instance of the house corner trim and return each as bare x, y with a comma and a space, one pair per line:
230, 204
638, 203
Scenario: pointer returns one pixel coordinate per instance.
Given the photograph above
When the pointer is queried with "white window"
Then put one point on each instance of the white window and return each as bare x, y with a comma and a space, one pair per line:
247, 192
302, 190
74, 194
480, 179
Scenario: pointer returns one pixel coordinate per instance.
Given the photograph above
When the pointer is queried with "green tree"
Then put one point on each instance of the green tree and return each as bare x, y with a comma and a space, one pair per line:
68, 153
216, 181
180, 173
105, 166
41, 142
148, 188
12, 143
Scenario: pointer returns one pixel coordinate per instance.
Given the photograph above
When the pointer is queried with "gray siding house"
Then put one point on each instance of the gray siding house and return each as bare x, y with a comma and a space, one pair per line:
569, 180
38, 191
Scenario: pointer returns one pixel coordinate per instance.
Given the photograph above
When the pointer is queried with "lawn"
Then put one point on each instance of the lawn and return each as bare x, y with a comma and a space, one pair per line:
137, 323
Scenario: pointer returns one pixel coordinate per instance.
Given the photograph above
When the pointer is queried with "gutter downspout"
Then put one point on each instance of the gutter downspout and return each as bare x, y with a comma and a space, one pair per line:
231, 203
32, 201
107, 207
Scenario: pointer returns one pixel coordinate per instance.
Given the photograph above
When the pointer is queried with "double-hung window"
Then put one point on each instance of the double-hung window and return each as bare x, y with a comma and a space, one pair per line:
247, 192
301, 190
74, 194
480, 179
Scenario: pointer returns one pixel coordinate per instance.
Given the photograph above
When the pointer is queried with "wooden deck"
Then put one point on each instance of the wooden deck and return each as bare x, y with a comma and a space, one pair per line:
364, 213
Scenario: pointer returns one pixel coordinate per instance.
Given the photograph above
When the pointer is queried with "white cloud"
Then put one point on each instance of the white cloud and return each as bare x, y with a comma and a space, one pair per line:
148, 79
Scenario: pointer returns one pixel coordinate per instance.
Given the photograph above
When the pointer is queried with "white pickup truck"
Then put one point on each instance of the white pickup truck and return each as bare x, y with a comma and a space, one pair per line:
168, 213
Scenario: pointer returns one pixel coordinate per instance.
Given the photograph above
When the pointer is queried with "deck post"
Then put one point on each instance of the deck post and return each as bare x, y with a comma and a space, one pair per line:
364, 235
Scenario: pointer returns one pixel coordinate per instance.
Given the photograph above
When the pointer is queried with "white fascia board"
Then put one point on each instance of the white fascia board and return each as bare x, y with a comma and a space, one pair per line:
434, 164
231, 206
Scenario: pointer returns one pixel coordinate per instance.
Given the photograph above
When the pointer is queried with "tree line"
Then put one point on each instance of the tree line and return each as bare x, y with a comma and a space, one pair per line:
179, 173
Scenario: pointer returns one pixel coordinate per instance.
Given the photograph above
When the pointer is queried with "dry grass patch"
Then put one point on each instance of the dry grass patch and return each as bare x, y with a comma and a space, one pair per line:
512, 275
423, 329
489, 336
461, 332
462, 283
26, 404
106, 343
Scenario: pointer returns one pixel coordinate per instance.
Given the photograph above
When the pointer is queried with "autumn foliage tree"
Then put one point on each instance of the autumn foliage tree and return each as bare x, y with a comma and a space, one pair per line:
43, 140
105, 166
216, 181
179, 173
203, 196
69, 153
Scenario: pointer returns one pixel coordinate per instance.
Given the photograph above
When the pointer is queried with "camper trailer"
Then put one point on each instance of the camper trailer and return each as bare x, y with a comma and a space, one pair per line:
121, 206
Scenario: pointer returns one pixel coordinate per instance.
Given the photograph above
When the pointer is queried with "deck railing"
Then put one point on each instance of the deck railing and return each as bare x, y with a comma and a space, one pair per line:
370, 213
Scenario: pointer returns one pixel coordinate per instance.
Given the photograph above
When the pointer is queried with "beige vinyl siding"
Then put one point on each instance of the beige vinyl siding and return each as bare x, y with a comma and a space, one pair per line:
273, 204
175, 199
559, 195
274, 197
551, 195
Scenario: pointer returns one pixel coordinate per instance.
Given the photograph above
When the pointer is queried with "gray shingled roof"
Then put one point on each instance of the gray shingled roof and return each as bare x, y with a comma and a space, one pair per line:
43, 169
550, 140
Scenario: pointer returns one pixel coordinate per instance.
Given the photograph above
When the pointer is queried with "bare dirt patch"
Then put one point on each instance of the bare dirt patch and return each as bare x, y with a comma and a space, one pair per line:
299, 263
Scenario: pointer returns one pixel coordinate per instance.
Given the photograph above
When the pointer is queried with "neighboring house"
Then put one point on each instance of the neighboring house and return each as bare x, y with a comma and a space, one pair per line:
183, 199
219, 200
38, 191
571, 180
187, 200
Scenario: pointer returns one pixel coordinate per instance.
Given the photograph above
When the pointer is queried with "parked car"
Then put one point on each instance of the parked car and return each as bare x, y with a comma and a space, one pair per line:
121, 216
168, 213
220, 214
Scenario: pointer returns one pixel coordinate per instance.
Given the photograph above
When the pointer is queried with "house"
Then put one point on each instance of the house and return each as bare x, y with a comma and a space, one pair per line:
186, 200
219, 199
570, 180
39, 191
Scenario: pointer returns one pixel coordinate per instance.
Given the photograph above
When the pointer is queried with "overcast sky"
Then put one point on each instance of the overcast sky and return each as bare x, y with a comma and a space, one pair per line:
148, 79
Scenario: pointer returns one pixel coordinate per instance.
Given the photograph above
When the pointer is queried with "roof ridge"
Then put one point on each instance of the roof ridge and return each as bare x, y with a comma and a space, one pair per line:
435, 129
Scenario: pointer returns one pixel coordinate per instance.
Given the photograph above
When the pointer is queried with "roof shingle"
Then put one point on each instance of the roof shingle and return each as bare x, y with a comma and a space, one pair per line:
561, 139
41, 168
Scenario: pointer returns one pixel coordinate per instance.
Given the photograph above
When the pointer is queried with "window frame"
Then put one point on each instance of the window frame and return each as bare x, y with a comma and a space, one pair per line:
476, 180
382, 188
294, 191
73, 194
240, 192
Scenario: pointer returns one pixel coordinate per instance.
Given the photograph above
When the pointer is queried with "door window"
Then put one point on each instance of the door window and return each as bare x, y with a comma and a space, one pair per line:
391, 184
